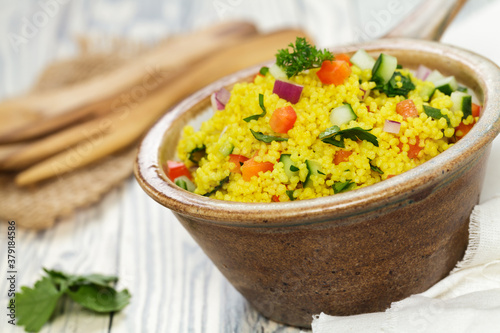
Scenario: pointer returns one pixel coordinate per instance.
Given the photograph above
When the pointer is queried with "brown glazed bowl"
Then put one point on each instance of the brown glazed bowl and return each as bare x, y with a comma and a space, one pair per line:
349, 253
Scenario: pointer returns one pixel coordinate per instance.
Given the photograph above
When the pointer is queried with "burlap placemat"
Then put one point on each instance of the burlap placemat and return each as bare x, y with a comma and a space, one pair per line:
39, 207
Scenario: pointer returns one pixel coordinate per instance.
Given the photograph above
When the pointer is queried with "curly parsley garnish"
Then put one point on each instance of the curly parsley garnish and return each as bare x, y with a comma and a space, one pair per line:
355, 133
303, 56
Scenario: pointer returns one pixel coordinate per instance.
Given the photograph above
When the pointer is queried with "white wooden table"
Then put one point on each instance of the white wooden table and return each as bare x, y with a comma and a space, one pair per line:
174, 286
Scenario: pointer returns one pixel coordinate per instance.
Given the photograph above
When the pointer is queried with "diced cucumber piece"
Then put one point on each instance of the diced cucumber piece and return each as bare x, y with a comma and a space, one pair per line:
314, 169
362, 59
278, 73
426, 92
384, 68
461, 102
290, 169
226, 148
434, 76
342, 115
446, 85
185, 183
462, 89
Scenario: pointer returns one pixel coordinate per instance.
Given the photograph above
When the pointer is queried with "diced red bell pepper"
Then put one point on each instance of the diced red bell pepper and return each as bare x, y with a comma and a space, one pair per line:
343, 57
414, 149
175, 169
252, 168
476, 110
341, 156
238, 161
407, 109
461, 130
275, 198
283, 119
334, 72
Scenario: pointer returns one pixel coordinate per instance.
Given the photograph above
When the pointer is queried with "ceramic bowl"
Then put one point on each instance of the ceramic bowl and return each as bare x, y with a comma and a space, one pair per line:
350, 253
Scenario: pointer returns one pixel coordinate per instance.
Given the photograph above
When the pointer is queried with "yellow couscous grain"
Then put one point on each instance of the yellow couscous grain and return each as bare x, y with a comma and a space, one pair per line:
419, 139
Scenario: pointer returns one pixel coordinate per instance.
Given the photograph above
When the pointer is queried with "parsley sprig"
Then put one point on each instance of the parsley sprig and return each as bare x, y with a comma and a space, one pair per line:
303, 56
35, 306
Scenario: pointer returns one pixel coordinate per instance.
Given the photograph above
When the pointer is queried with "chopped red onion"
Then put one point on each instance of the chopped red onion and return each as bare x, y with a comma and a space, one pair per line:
223, 95
288, 91
422, 72
365, 93
216, 105
220, 98
391, 126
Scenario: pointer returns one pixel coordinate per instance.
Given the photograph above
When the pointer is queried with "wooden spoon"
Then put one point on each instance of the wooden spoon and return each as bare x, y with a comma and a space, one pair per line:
64, 106
128, 129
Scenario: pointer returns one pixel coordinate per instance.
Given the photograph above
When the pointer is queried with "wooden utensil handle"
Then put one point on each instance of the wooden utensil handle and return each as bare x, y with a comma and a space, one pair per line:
63, 106
129, 129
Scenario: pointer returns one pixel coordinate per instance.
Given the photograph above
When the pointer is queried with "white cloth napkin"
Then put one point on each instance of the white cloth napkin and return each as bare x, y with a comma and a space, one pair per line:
468, 300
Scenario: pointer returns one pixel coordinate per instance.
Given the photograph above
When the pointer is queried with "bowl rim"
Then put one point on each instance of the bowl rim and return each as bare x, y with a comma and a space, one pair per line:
391, 192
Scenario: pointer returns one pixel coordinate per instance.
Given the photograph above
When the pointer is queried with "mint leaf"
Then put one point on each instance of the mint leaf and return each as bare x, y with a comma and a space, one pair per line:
34, 306
356, 133
218, 187
100, 299
257, 116
266, 138
342, 186
264, 70
392, 89
375, 168
435, 113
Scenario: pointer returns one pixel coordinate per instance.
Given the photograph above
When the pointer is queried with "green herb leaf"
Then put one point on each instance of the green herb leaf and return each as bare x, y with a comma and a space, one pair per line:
218, 187
257, 116
266, 138
100, 299
303, 56
293, 168
290, 195
197, 154
342, 186
391, 88
435, 113
356, 133
264, 70
375, 168
34, 306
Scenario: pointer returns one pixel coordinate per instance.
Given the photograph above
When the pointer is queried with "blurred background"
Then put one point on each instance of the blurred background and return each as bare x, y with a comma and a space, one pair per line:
174, 285
35, 33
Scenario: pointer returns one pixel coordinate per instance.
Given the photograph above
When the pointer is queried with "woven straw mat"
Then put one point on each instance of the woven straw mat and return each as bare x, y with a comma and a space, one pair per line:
40, 206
